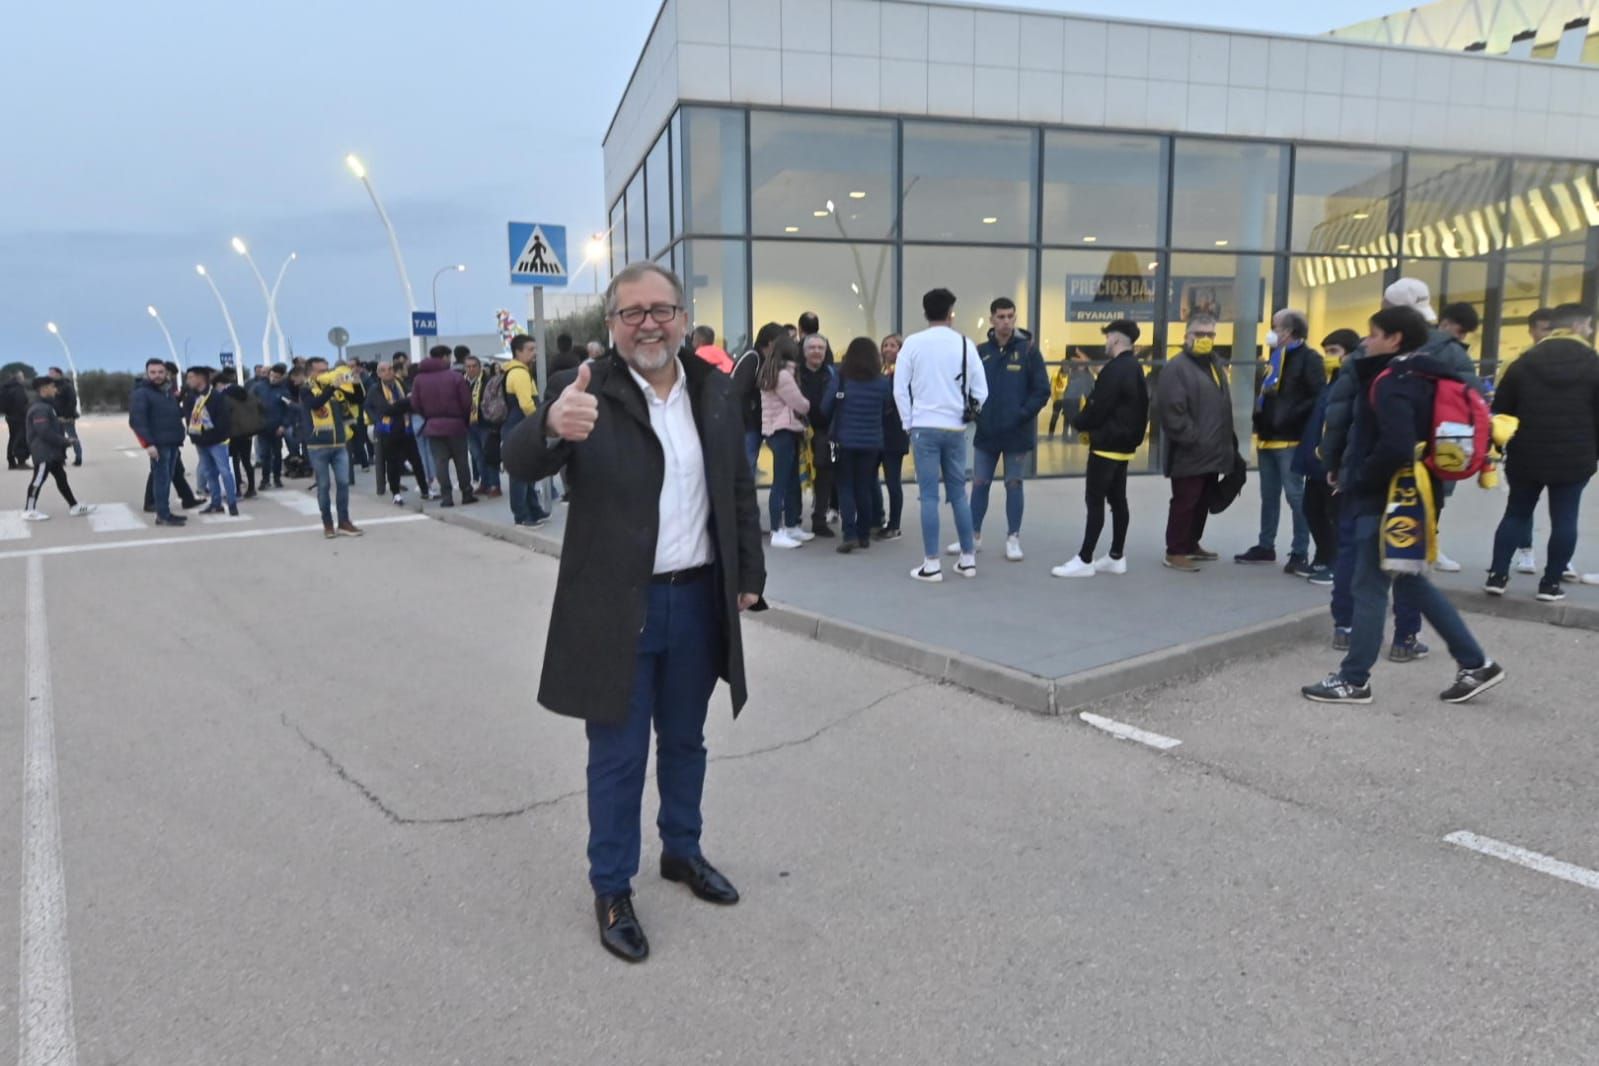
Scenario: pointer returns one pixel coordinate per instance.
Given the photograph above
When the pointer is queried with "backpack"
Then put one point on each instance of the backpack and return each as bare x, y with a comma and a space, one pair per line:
1462, 428
245, 415
491, 405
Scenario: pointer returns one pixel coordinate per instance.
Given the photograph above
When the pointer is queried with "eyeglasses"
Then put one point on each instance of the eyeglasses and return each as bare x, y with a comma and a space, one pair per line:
634, 316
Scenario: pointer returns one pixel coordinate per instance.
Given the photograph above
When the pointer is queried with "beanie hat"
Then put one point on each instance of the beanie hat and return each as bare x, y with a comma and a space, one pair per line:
1411, 292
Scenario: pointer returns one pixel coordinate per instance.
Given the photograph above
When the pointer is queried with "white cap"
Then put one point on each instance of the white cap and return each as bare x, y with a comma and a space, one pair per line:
1411, 292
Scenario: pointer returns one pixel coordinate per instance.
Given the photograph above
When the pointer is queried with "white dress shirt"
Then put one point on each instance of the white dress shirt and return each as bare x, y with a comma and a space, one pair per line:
683, 540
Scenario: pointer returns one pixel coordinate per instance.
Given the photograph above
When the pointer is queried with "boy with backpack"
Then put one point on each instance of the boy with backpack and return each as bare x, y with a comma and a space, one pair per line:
1416, 421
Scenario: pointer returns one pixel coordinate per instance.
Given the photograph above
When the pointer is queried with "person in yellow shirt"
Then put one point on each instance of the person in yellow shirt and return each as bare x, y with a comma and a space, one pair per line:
521, 400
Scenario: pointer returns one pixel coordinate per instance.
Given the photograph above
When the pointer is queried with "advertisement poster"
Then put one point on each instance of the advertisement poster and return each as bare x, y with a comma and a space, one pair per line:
1107, 297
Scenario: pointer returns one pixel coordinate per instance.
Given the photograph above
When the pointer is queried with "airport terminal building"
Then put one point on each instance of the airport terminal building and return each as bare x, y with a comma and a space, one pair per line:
844, 156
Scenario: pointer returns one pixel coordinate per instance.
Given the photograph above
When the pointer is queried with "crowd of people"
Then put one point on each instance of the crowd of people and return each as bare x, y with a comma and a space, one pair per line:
1365, 439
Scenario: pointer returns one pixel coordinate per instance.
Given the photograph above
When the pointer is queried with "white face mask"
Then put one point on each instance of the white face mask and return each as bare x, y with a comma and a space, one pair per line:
1272, 339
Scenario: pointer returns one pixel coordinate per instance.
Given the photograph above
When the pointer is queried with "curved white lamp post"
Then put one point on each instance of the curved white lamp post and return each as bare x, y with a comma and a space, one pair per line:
358, 168
171, 348
55, 331
266, 294
459, 268
233, 335
272, 307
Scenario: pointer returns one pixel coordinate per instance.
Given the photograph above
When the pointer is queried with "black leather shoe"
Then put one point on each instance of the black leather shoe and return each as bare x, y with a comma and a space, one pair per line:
701, 877
620, 933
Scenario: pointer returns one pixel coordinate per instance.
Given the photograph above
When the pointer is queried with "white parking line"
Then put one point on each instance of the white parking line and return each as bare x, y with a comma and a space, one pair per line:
156, 542
1124, 731
298, 502
48, 1036
1532, 860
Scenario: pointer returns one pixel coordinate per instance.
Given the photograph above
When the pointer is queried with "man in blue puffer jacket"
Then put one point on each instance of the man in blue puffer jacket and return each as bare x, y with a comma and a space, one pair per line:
273, 392
157, 421
1018, 389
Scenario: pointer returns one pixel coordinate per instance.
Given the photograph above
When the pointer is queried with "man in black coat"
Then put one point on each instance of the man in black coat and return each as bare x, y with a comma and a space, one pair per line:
66, 405
662, 553
1553, 392
14, 405
1285, 395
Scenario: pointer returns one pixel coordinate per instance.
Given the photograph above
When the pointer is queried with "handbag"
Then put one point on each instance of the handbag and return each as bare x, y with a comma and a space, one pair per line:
1230, 485
971, 408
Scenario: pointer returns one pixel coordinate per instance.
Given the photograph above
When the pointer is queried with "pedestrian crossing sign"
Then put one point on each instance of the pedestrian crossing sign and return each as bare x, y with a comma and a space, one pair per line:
538, 254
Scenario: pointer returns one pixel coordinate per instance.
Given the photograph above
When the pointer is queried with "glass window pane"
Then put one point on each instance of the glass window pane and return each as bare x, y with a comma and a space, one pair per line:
1553, 203
618, 236
1083, 292
1225, 194
821, 175
1336, 293
635, 218
677, 175
716, 290
850, 287
1238, 291
976, 276
1531, 284
657, 189
969, 183
1102, 185
711, 170
1346, 201
1454, 206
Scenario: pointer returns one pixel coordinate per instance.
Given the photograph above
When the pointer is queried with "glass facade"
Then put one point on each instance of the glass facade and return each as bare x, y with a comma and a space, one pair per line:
769, 213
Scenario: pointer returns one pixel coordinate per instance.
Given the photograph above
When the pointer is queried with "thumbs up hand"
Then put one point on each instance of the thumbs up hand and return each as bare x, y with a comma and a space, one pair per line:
573, 414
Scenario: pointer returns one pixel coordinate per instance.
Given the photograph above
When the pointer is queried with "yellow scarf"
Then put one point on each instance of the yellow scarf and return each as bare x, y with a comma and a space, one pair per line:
199, 420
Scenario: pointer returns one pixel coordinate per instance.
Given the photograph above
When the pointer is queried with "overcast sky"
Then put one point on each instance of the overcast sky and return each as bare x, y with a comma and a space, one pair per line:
138, 138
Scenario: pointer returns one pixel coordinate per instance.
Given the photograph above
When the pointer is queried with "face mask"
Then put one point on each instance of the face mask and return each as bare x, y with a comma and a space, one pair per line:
1204, 345
1272, 339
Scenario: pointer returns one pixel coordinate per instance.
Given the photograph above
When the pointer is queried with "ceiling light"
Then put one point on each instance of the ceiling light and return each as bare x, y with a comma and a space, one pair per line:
790, 229
1343, 247
857, 195
1153, 266
1221, 244
819, 214
1090, 240
1360, 216
990, 220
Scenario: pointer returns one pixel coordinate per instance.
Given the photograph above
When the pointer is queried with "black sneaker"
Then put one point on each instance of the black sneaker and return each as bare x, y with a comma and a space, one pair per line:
820, 529
1496, 584
1469, 683
1340, 638
1256, 555
1321, 576
1336, 690
1550, 592
1298, 566
1408, 650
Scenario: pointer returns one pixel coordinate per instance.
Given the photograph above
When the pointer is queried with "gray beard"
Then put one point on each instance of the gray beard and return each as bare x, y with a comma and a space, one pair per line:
641, 362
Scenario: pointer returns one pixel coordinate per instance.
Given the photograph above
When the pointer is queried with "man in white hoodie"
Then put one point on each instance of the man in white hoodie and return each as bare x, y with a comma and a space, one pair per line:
939, 385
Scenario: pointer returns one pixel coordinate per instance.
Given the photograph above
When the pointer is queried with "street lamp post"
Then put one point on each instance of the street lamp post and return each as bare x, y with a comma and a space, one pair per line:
594, 253
359, 170
277, 323
55, 331
233, 335
172, 349
266, 294
458, 268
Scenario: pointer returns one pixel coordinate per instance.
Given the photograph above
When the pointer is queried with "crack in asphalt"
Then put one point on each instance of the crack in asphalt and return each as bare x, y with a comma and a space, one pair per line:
394, 817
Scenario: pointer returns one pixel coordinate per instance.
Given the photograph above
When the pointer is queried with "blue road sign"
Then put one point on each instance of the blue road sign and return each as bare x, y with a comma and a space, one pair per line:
538, 254
424, 324
224, 360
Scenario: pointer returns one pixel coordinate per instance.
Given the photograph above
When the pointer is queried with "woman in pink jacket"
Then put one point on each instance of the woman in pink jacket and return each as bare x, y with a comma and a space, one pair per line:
783, 411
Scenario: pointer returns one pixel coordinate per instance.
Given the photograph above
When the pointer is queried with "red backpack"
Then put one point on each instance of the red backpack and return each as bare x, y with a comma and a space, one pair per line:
1462, 427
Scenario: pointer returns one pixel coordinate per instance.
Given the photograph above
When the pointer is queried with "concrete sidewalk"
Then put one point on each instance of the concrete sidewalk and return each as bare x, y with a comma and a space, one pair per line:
1049, 644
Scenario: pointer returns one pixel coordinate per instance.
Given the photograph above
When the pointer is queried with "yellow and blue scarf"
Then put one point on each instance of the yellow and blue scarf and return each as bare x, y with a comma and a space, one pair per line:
1409, 522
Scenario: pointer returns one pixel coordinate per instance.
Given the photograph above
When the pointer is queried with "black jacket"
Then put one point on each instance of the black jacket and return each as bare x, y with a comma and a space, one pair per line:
1281, 415
217, 407
66, 401
1195, 407
570, 359
1554, 390
47, 440
13, 399
1387, 428
613, 480
816, 385
747, 390
1116, 416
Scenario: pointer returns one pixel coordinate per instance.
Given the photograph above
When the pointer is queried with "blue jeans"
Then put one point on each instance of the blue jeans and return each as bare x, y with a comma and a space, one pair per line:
269, 454
477, 442
940, 456
332, 469
857, 488
784, 502
524, 497
752, 448
1515, 528
216, 473
984, 466
1407, 616
1276, 480
674, 675
1371, 604
428, 471
160, 482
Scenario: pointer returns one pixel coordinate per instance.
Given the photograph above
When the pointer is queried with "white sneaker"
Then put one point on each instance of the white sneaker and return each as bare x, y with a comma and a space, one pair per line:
1107, 565
81, 509
1013, 548
1526, 561
35, 516
1447, 565
926, 573
832, 518
399, 499
1590, 579
1572, 574
967, 566
955, 547
796, 533
1074, 567
782, 539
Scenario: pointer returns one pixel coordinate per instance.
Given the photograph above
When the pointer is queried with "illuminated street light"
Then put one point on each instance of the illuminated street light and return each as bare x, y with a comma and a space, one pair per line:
359, 170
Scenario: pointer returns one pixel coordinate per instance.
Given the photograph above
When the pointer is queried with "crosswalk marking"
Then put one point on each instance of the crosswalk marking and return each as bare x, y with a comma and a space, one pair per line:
115, 518
298, 502
222, 519
12, 526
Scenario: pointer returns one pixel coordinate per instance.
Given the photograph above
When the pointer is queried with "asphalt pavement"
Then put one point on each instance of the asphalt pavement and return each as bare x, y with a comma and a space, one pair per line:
309, 812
